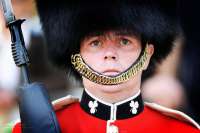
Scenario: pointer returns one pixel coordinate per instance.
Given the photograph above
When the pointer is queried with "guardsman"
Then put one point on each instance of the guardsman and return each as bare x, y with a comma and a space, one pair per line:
108, 45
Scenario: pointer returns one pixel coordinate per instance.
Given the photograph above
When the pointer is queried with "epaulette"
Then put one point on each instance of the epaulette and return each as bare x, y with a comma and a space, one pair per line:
63, 102
173, 113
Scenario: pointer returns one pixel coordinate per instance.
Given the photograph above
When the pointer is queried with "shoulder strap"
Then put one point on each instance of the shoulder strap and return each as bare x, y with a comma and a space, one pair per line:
64, 101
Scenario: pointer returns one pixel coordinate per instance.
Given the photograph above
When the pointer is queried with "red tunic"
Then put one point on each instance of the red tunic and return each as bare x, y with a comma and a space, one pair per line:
92, 115
73, 119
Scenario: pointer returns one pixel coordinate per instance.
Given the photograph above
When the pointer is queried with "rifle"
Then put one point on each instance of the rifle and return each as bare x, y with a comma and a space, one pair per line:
36, 111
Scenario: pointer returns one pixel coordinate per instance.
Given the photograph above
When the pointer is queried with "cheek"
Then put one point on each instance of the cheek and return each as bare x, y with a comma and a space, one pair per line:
94, 60
89, 56
128, 58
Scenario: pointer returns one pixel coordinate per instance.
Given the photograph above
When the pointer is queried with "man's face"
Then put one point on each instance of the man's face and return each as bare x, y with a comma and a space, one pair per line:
111, 53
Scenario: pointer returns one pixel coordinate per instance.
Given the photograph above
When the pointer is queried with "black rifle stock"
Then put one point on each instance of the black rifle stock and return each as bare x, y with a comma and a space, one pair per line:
36, 111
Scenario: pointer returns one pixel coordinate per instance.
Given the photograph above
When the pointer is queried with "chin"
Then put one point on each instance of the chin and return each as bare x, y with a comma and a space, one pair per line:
108, 88
111, 88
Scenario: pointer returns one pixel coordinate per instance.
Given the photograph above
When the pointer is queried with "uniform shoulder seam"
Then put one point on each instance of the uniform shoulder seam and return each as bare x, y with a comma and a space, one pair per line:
63, 102
173, 113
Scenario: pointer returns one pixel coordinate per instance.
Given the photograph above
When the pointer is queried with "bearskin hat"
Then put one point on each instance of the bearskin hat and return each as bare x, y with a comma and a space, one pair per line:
66, 22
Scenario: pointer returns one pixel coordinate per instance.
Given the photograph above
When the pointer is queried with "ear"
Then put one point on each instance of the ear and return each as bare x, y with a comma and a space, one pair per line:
150, 51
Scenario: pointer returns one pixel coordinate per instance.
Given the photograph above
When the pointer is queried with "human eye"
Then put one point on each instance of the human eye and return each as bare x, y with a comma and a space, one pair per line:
124, 41
95, 43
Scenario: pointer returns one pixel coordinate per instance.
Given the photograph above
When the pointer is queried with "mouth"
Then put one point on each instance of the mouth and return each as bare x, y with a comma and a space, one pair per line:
111, 72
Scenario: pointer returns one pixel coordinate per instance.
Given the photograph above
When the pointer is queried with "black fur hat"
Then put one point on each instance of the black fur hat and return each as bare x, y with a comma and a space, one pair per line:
67, 22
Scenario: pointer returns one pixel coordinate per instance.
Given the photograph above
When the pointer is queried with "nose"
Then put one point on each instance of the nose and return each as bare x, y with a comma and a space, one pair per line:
110, 54
110, 57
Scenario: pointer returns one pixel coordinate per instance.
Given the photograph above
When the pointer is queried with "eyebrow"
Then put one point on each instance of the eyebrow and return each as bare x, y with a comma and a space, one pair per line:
116, 32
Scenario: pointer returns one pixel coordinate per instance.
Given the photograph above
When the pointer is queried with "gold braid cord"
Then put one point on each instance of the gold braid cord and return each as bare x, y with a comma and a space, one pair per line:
93, 76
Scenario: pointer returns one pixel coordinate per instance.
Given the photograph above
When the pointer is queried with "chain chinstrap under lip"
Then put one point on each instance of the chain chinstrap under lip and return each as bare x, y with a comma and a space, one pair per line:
93, 76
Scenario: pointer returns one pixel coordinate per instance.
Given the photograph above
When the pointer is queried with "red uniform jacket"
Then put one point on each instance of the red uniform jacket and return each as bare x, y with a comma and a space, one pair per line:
92, 115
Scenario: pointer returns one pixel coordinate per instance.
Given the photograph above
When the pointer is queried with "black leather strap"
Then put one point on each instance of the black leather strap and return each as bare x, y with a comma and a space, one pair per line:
36, 112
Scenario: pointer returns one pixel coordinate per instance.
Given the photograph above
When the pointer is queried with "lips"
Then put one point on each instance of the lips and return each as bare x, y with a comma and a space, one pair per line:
111, 72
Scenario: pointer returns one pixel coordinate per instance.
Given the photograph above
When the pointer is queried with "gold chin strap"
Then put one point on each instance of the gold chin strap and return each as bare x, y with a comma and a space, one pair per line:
98, 78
